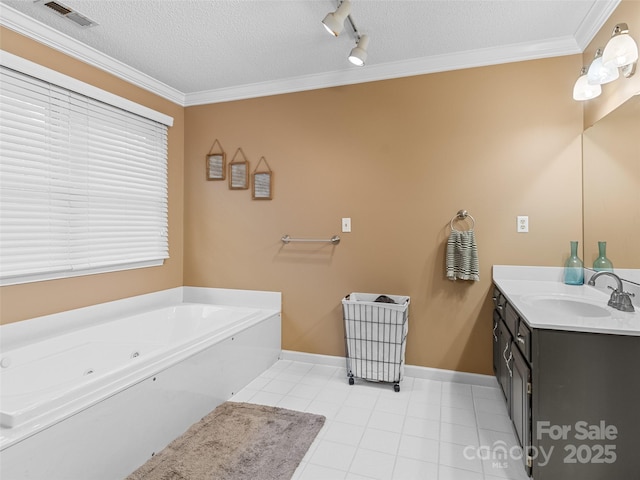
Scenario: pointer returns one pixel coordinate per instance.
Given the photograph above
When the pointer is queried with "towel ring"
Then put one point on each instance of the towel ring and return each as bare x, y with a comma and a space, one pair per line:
461, 215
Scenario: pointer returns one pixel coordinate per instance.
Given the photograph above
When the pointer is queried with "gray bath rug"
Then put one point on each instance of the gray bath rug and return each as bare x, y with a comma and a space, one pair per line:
237, 441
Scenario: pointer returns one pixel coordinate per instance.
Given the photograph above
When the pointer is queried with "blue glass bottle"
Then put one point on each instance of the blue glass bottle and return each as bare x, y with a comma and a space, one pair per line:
602, 262
573, 267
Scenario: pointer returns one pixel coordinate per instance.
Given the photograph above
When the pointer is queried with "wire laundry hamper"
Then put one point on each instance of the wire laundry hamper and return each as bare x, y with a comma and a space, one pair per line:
375, 337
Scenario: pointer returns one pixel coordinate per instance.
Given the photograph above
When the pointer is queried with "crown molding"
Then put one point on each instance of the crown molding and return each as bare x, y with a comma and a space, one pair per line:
419, 66
38, 31
570, 45
594, 21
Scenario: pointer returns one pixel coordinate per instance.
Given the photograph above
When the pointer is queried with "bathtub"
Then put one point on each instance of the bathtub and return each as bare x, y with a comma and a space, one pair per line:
112, 385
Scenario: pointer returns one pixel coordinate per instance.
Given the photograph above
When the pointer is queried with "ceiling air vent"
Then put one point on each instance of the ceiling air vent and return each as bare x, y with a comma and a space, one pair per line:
68, 13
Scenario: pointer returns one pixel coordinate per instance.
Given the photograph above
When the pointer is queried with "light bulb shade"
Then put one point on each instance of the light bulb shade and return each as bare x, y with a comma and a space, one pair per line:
358, 55
334, 22
622, 49
599, 74
583, 91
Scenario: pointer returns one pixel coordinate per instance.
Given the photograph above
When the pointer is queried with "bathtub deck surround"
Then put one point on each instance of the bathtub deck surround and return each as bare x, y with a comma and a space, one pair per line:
37, 329
142, 369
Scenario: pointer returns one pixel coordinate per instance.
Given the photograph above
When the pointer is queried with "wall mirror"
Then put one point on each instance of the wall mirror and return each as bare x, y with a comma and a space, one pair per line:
611, 189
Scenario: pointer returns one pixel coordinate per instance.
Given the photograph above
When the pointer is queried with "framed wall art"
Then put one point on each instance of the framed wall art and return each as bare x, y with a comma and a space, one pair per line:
262, 181
216, 162
239, 171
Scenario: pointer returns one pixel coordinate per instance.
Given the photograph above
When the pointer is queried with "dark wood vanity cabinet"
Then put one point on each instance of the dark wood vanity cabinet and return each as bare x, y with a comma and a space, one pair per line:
512, 369
573, 398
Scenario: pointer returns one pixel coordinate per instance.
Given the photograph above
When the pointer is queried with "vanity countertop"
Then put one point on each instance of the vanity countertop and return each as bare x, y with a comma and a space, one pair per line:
532, 291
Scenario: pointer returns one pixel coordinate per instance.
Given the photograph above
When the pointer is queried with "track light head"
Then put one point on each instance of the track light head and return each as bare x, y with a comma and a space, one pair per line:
334, 22
358, 55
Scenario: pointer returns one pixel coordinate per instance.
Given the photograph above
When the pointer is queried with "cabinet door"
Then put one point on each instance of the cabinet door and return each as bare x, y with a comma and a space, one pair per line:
504, 372
521, 401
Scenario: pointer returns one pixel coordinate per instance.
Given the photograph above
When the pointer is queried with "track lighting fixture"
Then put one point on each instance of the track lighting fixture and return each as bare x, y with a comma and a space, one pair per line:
620, 55
358, 55
334, 21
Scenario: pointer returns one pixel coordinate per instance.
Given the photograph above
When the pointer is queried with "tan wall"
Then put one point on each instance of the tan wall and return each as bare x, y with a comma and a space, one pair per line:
20, 302
614, 93
399, 157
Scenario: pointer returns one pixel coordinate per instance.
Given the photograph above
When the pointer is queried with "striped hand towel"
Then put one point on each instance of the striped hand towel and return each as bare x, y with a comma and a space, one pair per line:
462, 256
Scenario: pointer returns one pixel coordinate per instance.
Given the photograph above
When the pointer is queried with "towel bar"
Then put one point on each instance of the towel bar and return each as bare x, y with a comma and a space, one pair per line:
333, 240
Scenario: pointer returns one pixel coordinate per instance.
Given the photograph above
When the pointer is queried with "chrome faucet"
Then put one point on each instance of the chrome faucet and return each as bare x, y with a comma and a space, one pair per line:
620, 300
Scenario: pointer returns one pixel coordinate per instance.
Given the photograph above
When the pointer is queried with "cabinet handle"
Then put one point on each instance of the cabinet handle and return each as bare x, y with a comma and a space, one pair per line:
496, 303
507, 360
521, 340
495, 337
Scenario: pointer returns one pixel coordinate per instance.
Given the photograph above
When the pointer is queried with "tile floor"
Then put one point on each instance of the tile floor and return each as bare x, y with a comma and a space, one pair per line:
430, 430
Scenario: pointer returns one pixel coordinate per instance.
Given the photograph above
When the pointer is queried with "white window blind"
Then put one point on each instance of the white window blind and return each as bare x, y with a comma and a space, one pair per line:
83, 184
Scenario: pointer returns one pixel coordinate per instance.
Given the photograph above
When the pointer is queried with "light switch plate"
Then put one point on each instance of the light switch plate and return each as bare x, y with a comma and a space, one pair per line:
346, 225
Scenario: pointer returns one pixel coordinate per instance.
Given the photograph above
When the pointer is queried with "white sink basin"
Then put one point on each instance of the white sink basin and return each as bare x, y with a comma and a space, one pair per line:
567, 304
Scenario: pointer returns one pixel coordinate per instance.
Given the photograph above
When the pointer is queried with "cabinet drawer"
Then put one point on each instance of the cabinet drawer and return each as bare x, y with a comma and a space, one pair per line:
499, 301
511, 318
523, 339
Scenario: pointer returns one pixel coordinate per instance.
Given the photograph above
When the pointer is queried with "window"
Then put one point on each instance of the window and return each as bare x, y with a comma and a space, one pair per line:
83, 183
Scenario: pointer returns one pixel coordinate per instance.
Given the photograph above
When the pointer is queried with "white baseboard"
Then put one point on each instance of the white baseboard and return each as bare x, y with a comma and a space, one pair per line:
314, 358
409, 370
450, 376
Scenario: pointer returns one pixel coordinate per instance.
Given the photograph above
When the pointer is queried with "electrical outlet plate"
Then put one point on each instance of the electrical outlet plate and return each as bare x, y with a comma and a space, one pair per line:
523, 223
346, 225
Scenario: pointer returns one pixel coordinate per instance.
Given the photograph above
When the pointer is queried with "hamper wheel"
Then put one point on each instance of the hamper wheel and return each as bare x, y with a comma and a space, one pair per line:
396, 387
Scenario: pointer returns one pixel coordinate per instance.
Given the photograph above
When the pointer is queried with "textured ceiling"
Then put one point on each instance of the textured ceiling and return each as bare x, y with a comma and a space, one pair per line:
196, 51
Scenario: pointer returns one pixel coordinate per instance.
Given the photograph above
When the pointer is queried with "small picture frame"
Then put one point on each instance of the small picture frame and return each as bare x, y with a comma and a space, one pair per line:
239, 172
216, 162
262, 182
216, 166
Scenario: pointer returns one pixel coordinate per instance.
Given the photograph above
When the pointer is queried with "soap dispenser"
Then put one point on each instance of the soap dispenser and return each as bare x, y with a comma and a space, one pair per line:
573, 267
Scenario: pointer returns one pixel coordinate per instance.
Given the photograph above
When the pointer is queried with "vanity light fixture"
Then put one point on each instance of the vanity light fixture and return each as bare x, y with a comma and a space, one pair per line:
358, 55
334, 21
582, 90
598, 73
621, 50
620, 55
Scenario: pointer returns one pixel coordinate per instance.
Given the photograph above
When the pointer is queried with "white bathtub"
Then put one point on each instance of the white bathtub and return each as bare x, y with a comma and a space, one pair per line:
101, 397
